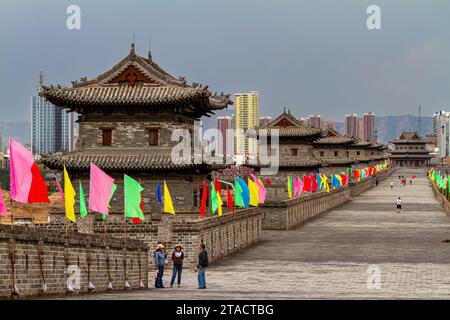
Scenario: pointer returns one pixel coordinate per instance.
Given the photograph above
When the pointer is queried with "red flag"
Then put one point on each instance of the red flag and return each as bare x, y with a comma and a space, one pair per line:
414, 176
136, 220
217, 185
268, 182
356, 173
306, 183
38, 189
314, 185
344, 179
204, 197
230, 201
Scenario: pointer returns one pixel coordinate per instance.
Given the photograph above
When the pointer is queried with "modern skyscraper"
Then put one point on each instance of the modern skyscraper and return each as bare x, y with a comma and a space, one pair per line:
369, 126
246, 117
314, 121
51, 127
351, 125
441, 128
224, 124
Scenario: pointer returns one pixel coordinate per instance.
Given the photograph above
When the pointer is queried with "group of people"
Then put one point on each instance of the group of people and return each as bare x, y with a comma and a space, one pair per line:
177, 258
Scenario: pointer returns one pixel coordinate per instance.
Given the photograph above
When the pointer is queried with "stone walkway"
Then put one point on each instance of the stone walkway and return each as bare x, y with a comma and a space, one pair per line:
360, 250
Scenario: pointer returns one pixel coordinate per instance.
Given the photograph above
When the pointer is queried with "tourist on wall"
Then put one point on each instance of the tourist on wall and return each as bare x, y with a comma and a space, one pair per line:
392, 185
177, 259
160, 260
399, 205
201, 265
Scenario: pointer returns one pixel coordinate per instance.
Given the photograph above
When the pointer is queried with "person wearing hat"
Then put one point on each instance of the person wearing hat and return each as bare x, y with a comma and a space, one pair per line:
160, 260
177, 258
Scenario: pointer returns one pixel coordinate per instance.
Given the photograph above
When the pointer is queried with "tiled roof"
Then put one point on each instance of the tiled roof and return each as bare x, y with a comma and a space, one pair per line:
302, 131
334, 140
134, 81
81, 162
300, 163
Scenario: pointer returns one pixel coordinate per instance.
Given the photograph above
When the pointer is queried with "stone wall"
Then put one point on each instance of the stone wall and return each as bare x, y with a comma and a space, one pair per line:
29, 258
441, 197
221, 235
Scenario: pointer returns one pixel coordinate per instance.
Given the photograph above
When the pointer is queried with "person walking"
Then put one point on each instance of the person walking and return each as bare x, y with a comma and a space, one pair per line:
399, 205
160, 260
177, 259
392, 185
201, 265
376, 181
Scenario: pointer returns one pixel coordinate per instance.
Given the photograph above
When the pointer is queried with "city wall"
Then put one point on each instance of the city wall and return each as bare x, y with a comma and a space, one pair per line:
30, 258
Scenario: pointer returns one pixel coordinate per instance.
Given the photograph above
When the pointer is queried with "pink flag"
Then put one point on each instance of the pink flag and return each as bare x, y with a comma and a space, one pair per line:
3, 211
21, 161
61, 192
99, 190
27, 184
300, 185
261, 190
294, 187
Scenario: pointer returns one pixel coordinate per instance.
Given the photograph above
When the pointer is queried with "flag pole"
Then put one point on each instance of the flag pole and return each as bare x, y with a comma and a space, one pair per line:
12, 210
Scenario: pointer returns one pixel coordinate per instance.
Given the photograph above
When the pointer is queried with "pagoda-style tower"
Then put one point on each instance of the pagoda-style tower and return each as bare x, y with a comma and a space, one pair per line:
126, 118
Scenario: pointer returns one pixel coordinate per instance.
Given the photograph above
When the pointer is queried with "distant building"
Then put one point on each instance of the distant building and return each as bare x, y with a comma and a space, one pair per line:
329, 125
314, 121
224, 124
360, 129
351, 125
410, 151
441, 128
264, 121
51, 127
369, 127
246, 117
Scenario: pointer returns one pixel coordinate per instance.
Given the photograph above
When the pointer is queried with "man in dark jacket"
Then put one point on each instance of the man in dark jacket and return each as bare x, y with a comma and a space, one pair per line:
201, 265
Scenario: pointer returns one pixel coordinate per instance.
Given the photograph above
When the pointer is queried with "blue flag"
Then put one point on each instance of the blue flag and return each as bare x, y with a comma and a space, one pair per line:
158, 193
319, 181
245, 192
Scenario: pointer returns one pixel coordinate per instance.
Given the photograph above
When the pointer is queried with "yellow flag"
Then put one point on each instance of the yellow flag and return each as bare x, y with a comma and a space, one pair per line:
168, 206
220, 203
254, 191
69, 197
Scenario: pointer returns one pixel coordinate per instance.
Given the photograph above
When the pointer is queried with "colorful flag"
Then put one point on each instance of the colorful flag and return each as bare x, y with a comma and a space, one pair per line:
289, 187
220, 204
314, 184
158, 193
261, 189
204, 198
245, 192
268, 182
61, 192
344, 178
83, 210
230, 202
69, 200
319, 181
100, 190
294, 187
326, 186
168, 205
217, 185
27, 184
254, 191
238, 200
300, 186
214, 198
306, 183
133, 198
3, 211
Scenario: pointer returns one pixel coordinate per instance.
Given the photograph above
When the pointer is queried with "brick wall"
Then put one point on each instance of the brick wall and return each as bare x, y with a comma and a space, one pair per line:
98, 259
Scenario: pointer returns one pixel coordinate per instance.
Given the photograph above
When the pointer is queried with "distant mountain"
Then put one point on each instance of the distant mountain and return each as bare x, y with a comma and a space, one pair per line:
20, 131
391, 127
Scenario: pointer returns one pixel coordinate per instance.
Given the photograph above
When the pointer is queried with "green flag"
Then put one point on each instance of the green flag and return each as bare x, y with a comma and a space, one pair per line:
238, 200
83, 210
214, 200
132, 192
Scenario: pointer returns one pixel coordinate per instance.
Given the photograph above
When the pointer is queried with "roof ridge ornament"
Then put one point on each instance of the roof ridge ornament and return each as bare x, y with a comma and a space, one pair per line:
132, 51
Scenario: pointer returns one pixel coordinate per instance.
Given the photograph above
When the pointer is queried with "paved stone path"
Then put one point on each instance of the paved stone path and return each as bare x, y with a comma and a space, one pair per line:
338, 255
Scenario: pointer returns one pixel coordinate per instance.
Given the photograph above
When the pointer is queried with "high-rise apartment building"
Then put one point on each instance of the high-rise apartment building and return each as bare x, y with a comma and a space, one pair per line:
246, 117
369, 126
351, 125
51, 127
314, 121
224, 124
441, 128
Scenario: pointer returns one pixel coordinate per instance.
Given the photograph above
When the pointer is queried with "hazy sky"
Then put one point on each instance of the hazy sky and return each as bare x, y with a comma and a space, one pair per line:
312, 56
